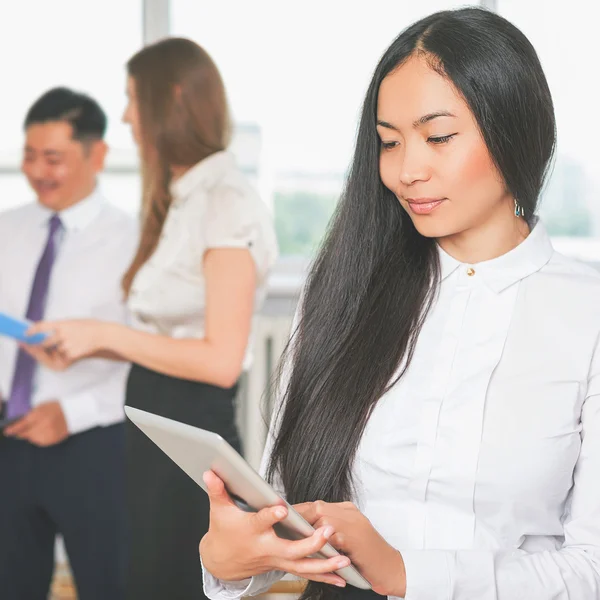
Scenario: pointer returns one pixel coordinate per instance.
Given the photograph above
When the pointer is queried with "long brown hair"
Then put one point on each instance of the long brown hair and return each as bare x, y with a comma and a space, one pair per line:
183, 118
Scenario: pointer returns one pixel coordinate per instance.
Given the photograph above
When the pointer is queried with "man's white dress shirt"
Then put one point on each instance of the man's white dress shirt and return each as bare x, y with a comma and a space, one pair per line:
96, 245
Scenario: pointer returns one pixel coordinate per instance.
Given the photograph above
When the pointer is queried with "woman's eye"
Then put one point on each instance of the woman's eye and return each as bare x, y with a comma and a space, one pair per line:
388, 145
441, 139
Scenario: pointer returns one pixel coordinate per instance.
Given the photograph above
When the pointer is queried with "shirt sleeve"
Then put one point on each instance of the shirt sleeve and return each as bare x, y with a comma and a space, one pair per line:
100, 403
217, 589
569, 573
237, 218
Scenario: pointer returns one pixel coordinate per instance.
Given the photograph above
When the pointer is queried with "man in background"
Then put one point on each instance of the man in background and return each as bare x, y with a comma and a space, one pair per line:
62, 460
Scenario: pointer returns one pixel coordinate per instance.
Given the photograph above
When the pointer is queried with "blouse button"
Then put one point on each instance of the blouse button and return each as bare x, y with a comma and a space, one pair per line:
470, 271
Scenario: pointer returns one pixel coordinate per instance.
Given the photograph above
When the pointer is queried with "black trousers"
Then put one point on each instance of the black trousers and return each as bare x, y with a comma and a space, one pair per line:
75, 488
168, 512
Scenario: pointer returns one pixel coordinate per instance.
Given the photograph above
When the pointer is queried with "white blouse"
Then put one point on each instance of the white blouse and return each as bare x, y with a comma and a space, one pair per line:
213, 206
482, 464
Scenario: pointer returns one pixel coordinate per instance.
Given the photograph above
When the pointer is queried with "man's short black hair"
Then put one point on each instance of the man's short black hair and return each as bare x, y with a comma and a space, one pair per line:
82, 112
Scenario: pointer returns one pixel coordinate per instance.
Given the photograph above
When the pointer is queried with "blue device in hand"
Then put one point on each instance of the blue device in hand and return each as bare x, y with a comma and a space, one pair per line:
16, 329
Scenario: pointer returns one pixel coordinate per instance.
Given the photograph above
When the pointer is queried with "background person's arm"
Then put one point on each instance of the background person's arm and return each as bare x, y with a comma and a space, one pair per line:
230, 276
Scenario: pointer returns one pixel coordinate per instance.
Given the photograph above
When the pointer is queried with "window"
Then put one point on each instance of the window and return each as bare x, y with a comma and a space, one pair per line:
565, 39
299, 71
80, 45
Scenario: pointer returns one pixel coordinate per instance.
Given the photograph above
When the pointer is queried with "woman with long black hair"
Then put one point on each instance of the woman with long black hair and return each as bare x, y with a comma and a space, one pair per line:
440, 423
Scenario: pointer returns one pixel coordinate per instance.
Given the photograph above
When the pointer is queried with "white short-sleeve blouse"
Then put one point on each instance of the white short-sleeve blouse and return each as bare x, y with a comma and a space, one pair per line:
213, 206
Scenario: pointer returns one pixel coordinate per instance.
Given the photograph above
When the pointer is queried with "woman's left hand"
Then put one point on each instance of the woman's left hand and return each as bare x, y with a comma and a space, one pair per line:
67, 341
377, 561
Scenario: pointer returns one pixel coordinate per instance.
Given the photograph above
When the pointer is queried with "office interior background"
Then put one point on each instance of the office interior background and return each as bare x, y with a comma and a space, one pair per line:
295, 73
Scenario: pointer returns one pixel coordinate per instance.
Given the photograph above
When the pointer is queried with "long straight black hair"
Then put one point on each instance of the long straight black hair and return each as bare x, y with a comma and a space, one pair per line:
375, 277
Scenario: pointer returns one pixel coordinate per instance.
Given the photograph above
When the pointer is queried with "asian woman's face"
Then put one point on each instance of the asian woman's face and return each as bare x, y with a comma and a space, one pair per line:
433, 156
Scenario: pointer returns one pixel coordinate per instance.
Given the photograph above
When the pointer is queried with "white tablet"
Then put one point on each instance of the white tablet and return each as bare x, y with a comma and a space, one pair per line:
196, 451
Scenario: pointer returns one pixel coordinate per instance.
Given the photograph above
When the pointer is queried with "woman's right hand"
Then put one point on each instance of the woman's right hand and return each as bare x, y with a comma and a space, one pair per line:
240, 544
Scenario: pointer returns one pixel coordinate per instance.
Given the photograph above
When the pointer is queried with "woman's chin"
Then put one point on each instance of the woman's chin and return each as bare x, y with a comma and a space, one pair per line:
432, 227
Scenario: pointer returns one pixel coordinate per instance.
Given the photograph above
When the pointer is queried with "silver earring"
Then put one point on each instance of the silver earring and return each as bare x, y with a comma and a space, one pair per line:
519, 212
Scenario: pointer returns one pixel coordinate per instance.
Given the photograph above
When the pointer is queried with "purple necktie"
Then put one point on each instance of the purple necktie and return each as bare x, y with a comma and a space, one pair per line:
19, 401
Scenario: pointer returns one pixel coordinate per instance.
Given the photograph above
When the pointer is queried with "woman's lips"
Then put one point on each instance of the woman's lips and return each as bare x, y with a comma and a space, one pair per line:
424, 206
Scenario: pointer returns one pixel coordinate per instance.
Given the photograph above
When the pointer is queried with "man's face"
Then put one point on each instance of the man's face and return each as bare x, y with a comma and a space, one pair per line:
62, 171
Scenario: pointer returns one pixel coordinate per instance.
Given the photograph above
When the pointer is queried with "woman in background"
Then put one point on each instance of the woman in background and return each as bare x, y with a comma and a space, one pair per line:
199, 275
